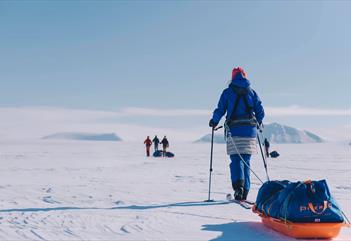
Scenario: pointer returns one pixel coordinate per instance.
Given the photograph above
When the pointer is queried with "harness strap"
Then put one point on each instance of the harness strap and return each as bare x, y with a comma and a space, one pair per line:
232, 117
284, 206
247, 106
240, 94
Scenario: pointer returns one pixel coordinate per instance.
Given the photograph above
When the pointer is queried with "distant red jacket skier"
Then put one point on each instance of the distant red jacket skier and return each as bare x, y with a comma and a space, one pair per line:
148, 144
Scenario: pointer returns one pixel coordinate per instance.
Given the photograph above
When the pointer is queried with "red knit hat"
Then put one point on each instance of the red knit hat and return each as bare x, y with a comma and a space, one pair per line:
238, 70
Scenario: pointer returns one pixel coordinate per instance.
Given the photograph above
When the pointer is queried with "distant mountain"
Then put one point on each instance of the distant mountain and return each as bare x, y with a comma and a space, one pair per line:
218, 138
276, 133
83, 136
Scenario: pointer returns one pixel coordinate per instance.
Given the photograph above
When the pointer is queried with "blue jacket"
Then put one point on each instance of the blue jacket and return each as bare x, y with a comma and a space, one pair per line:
226, 105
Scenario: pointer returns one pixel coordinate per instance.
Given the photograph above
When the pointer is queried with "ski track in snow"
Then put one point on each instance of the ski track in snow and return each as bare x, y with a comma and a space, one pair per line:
57, 190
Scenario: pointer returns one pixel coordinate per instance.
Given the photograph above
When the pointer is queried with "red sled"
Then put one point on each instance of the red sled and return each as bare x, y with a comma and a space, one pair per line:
302, 230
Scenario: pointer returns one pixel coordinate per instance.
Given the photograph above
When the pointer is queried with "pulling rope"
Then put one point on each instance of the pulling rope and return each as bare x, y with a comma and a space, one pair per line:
242, 159
346, 217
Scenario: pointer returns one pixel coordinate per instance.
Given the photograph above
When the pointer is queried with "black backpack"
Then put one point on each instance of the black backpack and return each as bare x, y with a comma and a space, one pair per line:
249, 119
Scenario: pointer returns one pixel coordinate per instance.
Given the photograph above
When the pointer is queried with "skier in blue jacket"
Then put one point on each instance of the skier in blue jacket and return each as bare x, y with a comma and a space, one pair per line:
244, 114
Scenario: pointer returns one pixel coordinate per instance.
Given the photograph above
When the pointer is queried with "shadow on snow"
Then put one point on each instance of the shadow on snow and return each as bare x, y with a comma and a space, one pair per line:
235, 231
131, 207
244, 231
180, 204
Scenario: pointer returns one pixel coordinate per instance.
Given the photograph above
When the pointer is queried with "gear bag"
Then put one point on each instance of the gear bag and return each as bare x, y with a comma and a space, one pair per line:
274, 154
159, 153
298, 202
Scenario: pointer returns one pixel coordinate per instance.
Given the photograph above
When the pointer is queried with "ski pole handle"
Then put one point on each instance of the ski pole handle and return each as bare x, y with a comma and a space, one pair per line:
216, 129
260, 127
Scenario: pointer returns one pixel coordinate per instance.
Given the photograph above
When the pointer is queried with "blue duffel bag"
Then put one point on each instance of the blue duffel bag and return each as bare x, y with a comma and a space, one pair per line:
267, 192
274, 154
159, 153
169, 154
299, 202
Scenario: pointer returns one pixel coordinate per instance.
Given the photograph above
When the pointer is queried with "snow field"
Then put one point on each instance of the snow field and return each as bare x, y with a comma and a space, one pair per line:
76, 190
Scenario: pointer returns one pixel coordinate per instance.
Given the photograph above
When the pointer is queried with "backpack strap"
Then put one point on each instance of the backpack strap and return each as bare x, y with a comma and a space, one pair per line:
248, 108
238, 97
240, 93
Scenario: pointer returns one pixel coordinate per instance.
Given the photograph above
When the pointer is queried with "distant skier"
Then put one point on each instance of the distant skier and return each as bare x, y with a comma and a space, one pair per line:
148, 144
156, 141
165, 145
266, 146
244, 113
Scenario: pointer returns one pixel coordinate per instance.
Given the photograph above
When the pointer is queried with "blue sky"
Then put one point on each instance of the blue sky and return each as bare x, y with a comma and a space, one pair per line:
108, 55
173, 54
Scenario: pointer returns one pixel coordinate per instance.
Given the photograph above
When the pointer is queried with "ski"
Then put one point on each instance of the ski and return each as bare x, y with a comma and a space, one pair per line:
243, 203
249, 202
229, 197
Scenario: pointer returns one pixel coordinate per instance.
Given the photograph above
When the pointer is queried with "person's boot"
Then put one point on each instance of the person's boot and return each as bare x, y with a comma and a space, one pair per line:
238, 194
245, 193
238, 188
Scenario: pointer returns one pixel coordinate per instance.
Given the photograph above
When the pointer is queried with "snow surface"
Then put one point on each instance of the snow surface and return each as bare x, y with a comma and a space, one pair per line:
76, 190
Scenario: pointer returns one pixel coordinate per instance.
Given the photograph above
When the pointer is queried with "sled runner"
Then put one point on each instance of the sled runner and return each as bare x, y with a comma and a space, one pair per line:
302, 230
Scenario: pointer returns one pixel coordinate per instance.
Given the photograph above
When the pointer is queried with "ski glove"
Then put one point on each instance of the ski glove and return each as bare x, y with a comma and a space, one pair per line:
212, 123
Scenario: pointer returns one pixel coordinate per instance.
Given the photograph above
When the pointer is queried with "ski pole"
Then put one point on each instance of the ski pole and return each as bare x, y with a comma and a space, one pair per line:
263, 158
211, 169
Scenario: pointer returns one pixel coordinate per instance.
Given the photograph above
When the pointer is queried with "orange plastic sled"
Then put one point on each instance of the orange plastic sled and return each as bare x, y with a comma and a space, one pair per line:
302, 230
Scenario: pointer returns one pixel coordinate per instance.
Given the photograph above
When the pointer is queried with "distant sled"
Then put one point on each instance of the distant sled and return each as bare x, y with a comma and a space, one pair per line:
160, 154
299, 209
274, 154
